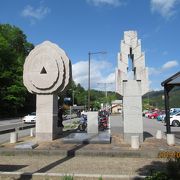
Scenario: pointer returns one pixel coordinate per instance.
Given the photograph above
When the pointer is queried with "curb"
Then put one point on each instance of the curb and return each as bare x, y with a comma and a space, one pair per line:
22, 175
69, 153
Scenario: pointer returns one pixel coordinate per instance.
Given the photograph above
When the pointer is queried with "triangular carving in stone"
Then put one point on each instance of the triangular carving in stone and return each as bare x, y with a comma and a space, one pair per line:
43, 71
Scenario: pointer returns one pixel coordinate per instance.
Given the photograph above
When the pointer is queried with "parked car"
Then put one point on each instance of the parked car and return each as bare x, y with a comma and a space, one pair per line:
147, 114
174, 110
175, 119
144, 112
161, 117
153, 115
30, 118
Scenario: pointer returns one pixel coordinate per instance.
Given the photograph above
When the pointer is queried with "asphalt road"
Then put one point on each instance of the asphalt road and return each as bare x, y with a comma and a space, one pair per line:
10, 121
10, 124
150, 127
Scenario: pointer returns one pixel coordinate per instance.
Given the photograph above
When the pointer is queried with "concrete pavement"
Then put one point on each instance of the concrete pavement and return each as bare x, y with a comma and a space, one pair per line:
85, 161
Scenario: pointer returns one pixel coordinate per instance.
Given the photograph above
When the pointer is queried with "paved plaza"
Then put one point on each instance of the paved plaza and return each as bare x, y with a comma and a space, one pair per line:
114, 161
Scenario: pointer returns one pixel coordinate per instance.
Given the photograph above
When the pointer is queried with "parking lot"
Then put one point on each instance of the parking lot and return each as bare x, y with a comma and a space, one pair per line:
150, 127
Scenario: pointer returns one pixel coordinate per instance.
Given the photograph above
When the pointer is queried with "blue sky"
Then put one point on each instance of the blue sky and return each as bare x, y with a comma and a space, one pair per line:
80, 26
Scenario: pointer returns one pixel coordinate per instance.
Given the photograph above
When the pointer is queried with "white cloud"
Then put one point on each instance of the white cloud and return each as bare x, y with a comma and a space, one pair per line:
165, 8
35, 13
101, 72
159, 74
164, 67
114, 3
169, 64
153, 71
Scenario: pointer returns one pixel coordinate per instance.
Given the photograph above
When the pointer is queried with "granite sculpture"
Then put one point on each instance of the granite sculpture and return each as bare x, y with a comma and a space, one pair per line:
132, 83
47, 72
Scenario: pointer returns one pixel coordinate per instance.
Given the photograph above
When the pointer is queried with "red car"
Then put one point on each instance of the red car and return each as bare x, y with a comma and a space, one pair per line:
153, 115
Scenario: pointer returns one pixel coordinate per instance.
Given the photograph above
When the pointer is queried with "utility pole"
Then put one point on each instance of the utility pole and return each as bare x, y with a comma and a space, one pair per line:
105, 88
89, 83
89, 77
73, 97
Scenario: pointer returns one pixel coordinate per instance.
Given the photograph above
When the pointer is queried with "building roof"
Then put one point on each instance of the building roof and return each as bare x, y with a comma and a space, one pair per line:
173, 80
116, 102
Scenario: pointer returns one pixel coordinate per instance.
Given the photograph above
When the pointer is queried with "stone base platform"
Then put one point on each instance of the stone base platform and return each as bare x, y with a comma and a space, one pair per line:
26, 145
87, 138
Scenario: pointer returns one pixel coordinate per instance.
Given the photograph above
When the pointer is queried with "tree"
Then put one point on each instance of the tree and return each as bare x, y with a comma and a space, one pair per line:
13, 50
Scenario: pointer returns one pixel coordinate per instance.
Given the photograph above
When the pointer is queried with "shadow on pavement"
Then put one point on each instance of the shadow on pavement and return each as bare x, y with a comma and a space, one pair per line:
147, 135
70, 154
167, 170
153, 167
66, 133
11, 168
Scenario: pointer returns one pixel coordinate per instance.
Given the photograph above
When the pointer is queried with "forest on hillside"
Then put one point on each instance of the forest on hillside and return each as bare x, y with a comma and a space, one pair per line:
155, 99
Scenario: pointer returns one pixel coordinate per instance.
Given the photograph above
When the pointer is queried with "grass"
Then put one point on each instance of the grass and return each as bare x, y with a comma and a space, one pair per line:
71, 178
66, 177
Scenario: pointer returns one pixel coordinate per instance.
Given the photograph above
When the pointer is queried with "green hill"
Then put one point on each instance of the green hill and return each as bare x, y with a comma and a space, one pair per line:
154, 99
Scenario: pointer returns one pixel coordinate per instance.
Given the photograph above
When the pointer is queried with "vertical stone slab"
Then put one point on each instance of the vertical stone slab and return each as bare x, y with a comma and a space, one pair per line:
46, 117
92, 122
132, 110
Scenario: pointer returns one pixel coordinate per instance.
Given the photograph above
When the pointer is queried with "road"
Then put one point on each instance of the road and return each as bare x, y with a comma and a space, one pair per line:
10, 121
150, 127
10, 124
17, 122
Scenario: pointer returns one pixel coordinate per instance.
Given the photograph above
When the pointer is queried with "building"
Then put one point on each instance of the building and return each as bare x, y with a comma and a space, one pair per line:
116, 106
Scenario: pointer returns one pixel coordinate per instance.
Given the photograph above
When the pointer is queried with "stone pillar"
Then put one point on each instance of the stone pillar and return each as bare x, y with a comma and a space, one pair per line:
46, 120
132, 83
92, 122
132, 110
159, 134
13, 137
32, 132
135, 142
171, 139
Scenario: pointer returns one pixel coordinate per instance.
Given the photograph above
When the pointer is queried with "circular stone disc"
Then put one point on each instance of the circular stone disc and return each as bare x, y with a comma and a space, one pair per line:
43, 71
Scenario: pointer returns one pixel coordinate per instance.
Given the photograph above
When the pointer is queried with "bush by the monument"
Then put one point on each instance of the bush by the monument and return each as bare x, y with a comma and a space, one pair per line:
172, 171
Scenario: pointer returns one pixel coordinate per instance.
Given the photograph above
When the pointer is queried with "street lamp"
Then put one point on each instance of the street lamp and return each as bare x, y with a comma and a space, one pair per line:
73, 91
91, 53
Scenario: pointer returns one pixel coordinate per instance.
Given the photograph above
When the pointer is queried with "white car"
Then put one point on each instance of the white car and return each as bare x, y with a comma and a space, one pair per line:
30, 118
175, 119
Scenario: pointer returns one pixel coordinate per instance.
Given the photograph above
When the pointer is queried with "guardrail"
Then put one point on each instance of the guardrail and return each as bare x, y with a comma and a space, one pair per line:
14, 128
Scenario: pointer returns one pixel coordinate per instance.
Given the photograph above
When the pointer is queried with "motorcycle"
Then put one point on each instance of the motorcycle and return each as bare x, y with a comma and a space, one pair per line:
83, 123
103, 123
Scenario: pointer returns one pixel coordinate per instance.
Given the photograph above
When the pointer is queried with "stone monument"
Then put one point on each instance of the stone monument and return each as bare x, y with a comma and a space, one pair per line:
47, 72
92, 122
132, 83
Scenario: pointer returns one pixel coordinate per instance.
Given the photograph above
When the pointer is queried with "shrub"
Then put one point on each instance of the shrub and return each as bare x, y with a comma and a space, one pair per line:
66, 177
172, 171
